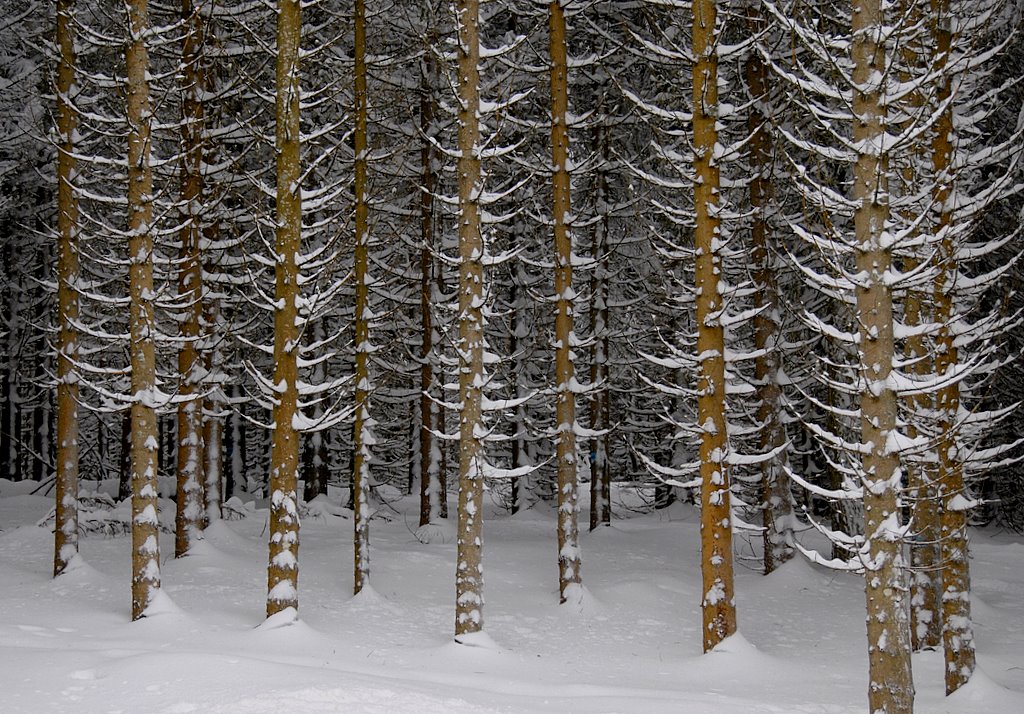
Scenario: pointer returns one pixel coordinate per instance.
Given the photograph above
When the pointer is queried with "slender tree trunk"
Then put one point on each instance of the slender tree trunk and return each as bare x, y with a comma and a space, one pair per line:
957, 632
469, 583
237, 470
9, 453
283, 569
214, 328
213, 421
361, 275
429, 454
565, 371
124, 482
519, 330
143, 452
314, 449
42, 408
891, 687
190, 477
718, 605
600, 413
66, 523
776, 500
925, 608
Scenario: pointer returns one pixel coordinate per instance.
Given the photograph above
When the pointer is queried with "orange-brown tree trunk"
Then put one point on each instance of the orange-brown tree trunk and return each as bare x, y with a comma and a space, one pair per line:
925, 608
957, 632
283, 568
66, 488
142, 353
718, 605
891, 687
361, 275
565, 371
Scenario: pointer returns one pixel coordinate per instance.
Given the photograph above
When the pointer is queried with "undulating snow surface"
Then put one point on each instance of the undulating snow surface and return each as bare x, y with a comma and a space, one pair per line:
630, 644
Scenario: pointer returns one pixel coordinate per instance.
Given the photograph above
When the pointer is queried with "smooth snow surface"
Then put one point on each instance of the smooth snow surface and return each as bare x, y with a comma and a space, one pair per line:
629, 643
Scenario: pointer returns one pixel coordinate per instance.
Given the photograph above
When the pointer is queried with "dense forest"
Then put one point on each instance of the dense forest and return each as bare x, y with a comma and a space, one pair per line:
758, 256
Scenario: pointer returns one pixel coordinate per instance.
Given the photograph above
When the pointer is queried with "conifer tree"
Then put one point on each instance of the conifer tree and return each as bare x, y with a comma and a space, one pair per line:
565, 338
283, 569
191, 458
362, 433
891, 687
66, 491
142, 325
470, 346
718, 605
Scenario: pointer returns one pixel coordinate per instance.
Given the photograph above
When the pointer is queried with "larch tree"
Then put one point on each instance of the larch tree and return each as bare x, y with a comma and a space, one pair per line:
66, 486
142, 326
283, 568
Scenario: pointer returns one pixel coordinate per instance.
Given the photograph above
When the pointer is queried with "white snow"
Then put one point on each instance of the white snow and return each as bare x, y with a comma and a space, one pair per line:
630, 642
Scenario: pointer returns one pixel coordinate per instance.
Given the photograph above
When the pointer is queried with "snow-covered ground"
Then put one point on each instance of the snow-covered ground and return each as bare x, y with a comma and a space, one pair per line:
632, 646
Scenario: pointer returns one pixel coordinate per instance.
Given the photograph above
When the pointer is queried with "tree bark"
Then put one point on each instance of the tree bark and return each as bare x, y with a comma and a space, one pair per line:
925, 608
190, 468
66, 489
213, 420
362, 433
469, 599
600, 401
891, 687
957, 632
565, 370
718, 606
144, 436
283, 569
429, 454
776, 504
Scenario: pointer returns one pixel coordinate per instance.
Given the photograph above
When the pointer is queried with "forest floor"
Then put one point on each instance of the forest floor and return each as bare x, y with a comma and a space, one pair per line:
631, 646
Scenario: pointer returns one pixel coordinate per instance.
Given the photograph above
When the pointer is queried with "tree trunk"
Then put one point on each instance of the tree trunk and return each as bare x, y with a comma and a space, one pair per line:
190, 468
891, 687
776, 500
600, 412
565, 371
213, 421
428, 451
469, 599
8, 420
66, 490
315, 472
718, 605
235, 475
143, 451
283, 568
362, 433
124, 482
957, 632
925, 608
